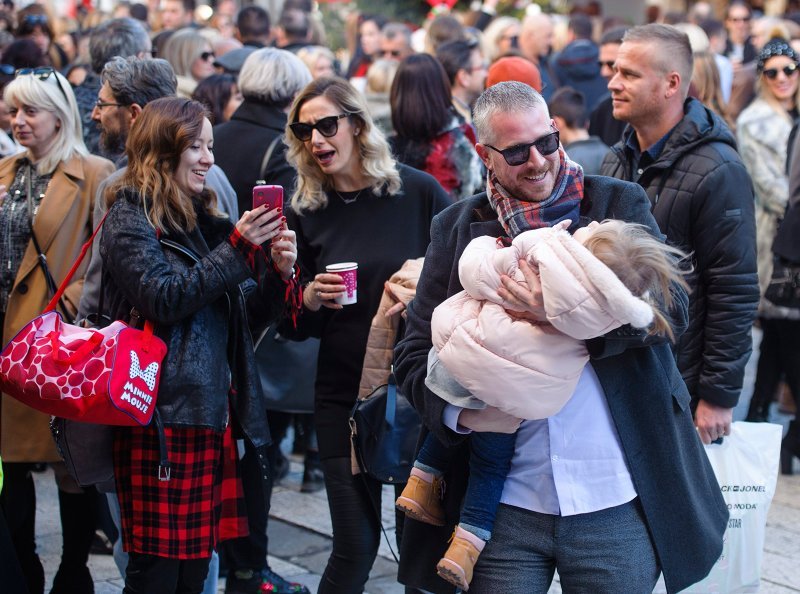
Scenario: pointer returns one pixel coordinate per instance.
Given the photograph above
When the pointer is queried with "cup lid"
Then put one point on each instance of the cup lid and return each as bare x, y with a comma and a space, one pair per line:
339, 267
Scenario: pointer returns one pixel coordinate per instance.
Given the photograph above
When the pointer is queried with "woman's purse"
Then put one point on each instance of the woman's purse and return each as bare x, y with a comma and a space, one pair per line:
108, 376
784, 286
384, 429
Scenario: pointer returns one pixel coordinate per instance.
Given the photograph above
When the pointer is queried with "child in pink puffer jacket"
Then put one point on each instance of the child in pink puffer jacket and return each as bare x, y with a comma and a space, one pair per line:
605, 276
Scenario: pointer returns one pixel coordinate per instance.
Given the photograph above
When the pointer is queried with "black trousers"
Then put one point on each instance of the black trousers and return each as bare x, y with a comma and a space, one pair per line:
250, 552
148, 574
19, 507
353, 501
779, 358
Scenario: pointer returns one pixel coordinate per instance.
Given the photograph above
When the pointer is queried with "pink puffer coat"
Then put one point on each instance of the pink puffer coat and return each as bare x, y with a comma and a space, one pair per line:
526, 369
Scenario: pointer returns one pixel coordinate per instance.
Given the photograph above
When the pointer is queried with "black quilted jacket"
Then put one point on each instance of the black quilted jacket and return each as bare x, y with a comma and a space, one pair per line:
702, 198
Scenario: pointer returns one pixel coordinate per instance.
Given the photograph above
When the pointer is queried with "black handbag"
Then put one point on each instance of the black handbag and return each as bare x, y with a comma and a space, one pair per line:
87, 451
384, 429
287, 391
784, 286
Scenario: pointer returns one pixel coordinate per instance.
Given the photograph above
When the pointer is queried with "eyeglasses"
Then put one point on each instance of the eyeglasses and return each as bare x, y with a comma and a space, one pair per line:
609, 64
7, 69
520, 153
326, 126
789, 70
206, 56
100, 104
34, 19
42, 73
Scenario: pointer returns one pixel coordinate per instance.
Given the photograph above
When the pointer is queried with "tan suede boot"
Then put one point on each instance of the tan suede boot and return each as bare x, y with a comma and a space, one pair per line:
458, 562
422, 500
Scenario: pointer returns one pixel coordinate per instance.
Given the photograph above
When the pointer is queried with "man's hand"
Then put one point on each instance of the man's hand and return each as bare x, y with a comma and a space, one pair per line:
488, 420
526, 302
712, 421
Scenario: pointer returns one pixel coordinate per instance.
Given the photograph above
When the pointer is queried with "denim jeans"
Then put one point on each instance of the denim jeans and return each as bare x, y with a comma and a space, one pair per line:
604, 551
489, 463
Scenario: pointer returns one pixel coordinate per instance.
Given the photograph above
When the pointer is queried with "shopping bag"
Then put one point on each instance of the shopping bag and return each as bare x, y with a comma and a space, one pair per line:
746, 467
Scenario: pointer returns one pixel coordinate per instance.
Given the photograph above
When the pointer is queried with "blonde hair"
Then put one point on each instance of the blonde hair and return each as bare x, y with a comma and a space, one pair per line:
648, 267
705, 78
46, 95
311, 54
490, 39
165, 128
380, 75
182, 49
764, 92
377, 163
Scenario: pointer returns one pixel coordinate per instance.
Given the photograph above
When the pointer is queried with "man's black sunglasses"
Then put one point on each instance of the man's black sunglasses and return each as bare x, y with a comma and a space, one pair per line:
42, 73
520, 153
326, 126
788, 70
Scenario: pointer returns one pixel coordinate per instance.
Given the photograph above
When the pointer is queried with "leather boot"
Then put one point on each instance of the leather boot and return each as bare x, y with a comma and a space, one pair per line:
422, 500
78, 517
790, 447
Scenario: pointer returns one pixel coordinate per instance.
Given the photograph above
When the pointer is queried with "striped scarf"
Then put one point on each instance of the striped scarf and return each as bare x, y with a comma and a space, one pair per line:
517, 215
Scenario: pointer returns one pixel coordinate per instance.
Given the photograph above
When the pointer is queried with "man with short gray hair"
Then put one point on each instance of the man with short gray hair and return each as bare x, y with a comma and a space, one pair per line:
118, 37
701, 195
396, 42
584, 493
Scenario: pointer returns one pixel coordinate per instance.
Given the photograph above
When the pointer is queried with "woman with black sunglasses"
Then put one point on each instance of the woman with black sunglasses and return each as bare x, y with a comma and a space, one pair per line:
353, 203
46, 200
763, 132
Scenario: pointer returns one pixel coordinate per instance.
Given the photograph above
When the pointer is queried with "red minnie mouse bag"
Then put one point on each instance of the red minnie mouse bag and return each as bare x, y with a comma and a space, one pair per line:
107, 376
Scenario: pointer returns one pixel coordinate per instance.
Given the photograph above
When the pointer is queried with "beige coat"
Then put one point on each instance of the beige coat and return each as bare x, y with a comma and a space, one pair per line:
62, 225
383, 331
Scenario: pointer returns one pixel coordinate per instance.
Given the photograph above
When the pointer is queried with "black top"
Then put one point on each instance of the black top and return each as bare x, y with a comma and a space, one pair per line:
379, 233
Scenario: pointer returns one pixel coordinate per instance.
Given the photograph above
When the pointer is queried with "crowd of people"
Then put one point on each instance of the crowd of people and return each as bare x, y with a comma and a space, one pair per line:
478, 158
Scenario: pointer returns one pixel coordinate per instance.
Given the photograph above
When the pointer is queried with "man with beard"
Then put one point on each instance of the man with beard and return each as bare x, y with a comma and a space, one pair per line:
127, 86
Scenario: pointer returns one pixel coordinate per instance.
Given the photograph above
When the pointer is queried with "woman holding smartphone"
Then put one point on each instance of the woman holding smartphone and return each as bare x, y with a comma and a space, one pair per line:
209, 287
353, 203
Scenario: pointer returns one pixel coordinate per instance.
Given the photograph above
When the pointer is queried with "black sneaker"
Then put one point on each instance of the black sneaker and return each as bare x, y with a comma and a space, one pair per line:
272, 583
243, 582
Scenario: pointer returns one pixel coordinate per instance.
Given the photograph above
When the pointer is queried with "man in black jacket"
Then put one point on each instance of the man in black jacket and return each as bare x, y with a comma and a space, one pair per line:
702, 198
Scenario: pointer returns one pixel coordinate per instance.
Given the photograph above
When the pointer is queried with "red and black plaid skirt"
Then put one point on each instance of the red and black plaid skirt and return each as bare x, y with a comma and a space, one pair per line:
200, 505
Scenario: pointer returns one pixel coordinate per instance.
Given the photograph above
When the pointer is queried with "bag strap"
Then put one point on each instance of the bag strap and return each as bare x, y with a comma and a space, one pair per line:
268, 156
67, 279
391, 399
42, 259
376, 510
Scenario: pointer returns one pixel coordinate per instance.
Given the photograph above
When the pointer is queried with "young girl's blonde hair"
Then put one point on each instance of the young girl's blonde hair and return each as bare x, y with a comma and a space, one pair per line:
648, 267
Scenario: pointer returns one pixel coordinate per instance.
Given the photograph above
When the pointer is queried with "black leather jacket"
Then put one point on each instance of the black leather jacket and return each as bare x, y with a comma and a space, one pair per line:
197, 289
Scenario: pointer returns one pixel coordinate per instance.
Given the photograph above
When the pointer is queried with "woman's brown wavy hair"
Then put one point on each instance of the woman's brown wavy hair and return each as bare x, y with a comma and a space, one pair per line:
165, 128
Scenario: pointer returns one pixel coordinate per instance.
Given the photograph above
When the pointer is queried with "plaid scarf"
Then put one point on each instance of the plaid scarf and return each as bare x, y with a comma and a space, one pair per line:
517, 215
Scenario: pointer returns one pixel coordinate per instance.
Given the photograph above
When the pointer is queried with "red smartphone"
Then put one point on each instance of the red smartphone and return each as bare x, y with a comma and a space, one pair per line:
272, 196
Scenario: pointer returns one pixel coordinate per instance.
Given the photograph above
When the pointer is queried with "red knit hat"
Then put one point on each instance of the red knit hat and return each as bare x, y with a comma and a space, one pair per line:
514, 68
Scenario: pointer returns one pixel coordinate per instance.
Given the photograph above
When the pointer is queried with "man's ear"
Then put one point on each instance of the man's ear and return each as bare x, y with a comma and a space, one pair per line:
483, 153
673, 84
134, 109
461, 77
559, 123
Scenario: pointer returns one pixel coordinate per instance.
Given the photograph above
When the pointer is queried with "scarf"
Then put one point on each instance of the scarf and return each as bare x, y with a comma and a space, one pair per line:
517, 215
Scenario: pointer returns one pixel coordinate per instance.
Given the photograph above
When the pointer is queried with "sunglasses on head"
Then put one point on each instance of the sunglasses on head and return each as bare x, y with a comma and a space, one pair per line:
7, 69
520, 153
326, 126
206, 56
788, 70
42, 73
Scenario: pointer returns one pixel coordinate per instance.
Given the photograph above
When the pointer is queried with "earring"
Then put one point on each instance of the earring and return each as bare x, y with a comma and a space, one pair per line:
356, 132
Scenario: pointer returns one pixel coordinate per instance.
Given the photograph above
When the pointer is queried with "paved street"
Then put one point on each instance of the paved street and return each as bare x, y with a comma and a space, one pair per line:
300, 534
